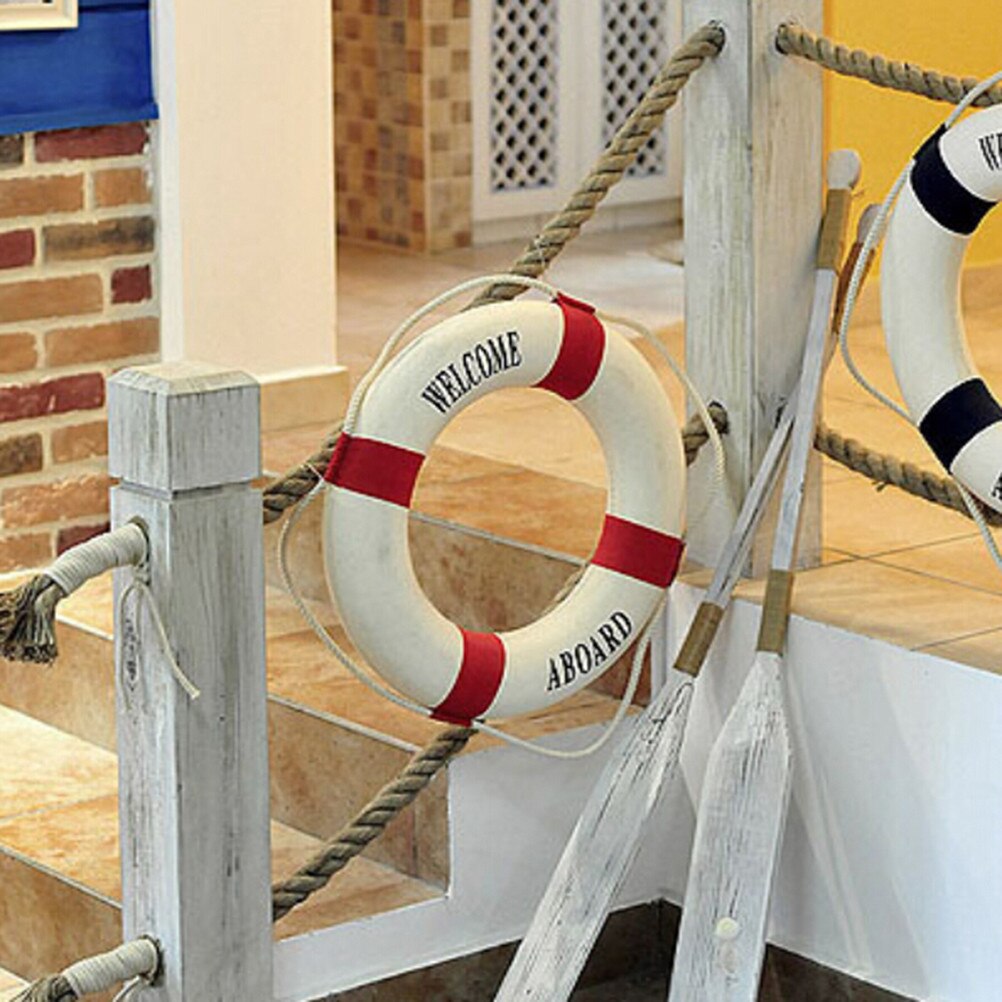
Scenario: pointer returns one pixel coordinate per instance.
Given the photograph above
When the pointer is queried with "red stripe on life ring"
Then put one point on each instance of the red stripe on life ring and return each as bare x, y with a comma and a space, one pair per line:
638, 552
376, 469
581, 351
478, 681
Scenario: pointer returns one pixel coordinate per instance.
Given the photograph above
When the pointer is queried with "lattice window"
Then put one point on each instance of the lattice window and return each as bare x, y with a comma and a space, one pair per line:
634, 48
524, 119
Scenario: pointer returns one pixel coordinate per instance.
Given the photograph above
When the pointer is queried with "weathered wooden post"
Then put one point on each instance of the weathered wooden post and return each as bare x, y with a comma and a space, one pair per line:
753, 165
193, 774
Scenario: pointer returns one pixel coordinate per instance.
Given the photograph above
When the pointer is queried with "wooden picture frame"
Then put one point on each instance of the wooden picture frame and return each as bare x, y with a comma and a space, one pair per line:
36, 15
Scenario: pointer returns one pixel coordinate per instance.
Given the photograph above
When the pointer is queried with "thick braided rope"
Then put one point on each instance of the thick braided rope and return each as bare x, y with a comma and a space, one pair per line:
369, 823
289, 490
615, 160
795, 40
622, 150
886, 469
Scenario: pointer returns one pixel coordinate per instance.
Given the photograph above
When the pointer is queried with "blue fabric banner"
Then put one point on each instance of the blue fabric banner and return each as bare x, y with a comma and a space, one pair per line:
96, 74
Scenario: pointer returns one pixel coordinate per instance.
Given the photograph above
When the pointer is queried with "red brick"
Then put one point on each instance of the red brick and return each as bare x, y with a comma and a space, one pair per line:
120, 339
38, 196
17, 352
40, 504
50, 297
80, 441
127, 186
66, 539
132, 285
54, 396
28, 550
100, 141
17, 248
86, 241
11, 151
20, 454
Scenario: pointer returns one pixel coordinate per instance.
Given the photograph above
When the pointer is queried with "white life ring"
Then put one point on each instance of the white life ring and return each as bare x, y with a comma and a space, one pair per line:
955, 179
462, 675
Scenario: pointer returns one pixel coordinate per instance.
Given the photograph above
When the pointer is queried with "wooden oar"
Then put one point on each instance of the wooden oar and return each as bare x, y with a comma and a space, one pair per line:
746, 789
605, 839
607, 835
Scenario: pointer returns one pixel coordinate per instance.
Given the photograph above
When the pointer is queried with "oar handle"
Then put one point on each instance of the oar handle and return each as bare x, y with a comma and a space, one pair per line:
843, 170
698, 640
831, 244
775, 611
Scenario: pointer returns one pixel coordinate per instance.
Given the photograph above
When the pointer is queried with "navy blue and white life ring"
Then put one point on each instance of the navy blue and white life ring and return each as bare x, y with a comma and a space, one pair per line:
956, 178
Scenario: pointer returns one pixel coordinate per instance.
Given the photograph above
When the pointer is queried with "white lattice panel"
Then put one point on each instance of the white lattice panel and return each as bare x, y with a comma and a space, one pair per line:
634, 48
524, 112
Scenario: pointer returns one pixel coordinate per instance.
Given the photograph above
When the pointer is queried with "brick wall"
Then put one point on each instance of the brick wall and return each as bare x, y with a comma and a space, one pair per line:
402, 122
77, 301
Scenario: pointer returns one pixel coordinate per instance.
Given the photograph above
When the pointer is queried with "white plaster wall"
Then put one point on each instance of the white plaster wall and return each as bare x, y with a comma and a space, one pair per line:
246, 182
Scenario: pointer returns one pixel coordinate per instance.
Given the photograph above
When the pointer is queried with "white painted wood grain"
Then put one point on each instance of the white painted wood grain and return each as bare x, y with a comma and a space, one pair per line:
198, 427
193, 776
599, 852
753, 156
607, 836
742, 811
738, 836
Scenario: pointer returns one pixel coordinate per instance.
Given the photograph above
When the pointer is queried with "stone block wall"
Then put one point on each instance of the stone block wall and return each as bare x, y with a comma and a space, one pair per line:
402, 122
77, 302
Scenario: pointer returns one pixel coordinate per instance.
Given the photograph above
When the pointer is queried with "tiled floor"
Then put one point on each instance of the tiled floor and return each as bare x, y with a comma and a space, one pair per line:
898, 568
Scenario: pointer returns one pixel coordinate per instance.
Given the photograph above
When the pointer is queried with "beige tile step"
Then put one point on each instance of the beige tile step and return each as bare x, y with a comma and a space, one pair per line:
326, 760
59, 856
333, 742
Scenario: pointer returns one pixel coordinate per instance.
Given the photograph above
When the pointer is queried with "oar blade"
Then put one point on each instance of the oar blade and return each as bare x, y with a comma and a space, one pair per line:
736, 846
598, 853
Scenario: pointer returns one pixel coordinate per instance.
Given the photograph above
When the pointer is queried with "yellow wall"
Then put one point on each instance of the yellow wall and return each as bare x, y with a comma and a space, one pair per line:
962, 37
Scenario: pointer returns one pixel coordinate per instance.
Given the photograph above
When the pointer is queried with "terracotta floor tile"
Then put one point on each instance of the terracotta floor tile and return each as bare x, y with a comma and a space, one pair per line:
79, 841
282, 450
963, 561
283, 617
451, 465
864, 521
901, 607
42, 767
982, 650
363, 888
871, 358
531, 429
301, 657
289, 850
531, 507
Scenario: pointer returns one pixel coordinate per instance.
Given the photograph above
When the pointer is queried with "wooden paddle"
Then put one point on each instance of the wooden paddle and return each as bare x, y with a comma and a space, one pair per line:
607, 835
746, 789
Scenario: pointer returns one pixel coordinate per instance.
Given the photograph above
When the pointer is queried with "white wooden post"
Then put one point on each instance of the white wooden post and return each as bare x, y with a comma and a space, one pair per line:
193, 775
753, 158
